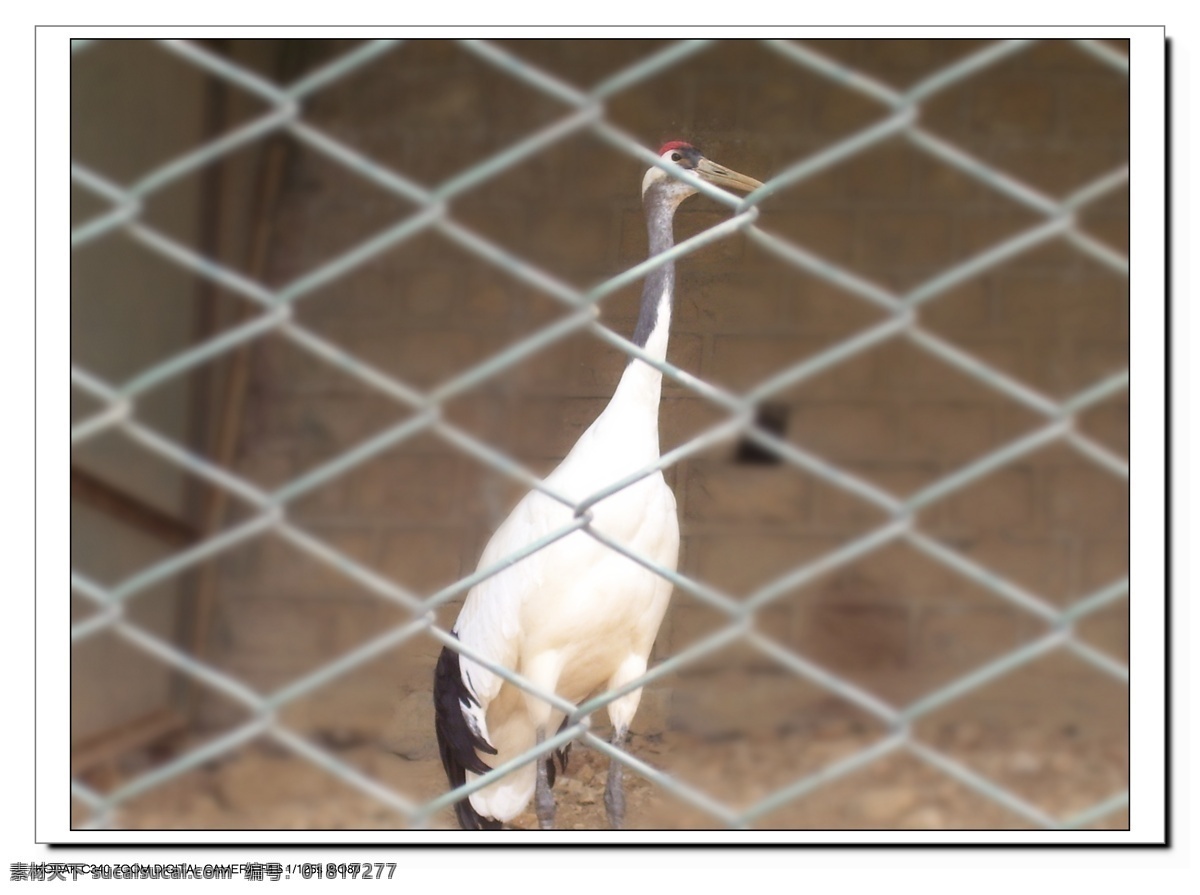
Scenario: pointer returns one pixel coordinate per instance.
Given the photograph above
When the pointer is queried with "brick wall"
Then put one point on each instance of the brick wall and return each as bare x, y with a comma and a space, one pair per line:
894, 622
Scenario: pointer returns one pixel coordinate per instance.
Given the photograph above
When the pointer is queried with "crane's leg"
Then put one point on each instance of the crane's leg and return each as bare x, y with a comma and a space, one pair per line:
543, 797
614, 789
543, 670
621, 712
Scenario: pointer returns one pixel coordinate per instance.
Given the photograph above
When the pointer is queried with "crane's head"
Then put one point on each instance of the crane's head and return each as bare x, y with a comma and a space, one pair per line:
688, 157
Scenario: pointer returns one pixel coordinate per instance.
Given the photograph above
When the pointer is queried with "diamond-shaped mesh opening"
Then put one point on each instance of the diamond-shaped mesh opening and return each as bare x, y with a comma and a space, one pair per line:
901, 63
325, 330
301, 58
762, 296
556, 209
107, 309
1060, 748
129, 78
742, 87
742, 563
895, 211
432, 109
898, 636
900, 417
1054, 318
1051, 522
263, 786
341, 209
896, 792
302, 415
395, 310
748, 692
286, 614
1053, 115
131, 657
584, 63
372, 524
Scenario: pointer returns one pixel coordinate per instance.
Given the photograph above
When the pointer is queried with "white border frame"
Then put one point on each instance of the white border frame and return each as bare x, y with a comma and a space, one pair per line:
1147, 454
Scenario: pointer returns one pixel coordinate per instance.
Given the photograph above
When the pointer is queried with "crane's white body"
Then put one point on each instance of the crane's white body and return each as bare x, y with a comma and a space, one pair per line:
576, 617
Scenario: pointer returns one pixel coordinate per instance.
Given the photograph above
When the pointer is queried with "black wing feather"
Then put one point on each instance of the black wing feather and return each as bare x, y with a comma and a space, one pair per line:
458, 743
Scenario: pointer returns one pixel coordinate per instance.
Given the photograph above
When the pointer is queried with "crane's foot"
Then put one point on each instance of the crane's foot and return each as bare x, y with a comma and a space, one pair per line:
614, 790
543, 798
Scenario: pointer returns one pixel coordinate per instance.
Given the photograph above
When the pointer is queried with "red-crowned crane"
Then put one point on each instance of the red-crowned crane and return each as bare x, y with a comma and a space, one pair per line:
576, 617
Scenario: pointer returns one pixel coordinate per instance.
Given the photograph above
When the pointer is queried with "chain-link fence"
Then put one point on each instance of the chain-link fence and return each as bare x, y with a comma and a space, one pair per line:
898, 118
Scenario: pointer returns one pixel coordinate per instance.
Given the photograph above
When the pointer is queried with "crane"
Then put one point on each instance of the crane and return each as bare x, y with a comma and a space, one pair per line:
575, 617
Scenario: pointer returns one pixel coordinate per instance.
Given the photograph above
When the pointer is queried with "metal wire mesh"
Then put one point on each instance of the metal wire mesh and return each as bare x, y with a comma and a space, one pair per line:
1057, 219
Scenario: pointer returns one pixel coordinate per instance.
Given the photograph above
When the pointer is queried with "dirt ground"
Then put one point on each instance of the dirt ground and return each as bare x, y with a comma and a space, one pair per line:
264, 786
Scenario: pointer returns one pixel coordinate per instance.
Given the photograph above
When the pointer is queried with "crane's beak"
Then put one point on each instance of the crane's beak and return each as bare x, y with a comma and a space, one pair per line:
715, 174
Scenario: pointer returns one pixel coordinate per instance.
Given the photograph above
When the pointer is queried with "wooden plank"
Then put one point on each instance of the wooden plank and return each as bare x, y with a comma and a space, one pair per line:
112, 744
131, 510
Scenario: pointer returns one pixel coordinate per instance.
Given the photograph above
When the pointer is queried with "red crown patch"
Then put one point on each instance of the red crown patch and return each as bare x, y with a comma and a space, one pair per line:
674, 144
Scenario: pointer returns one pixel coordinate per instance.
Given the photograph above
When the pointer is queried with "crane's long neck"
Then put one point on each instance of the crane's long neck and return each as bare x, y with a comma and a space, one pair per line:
654, 318
641, 383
